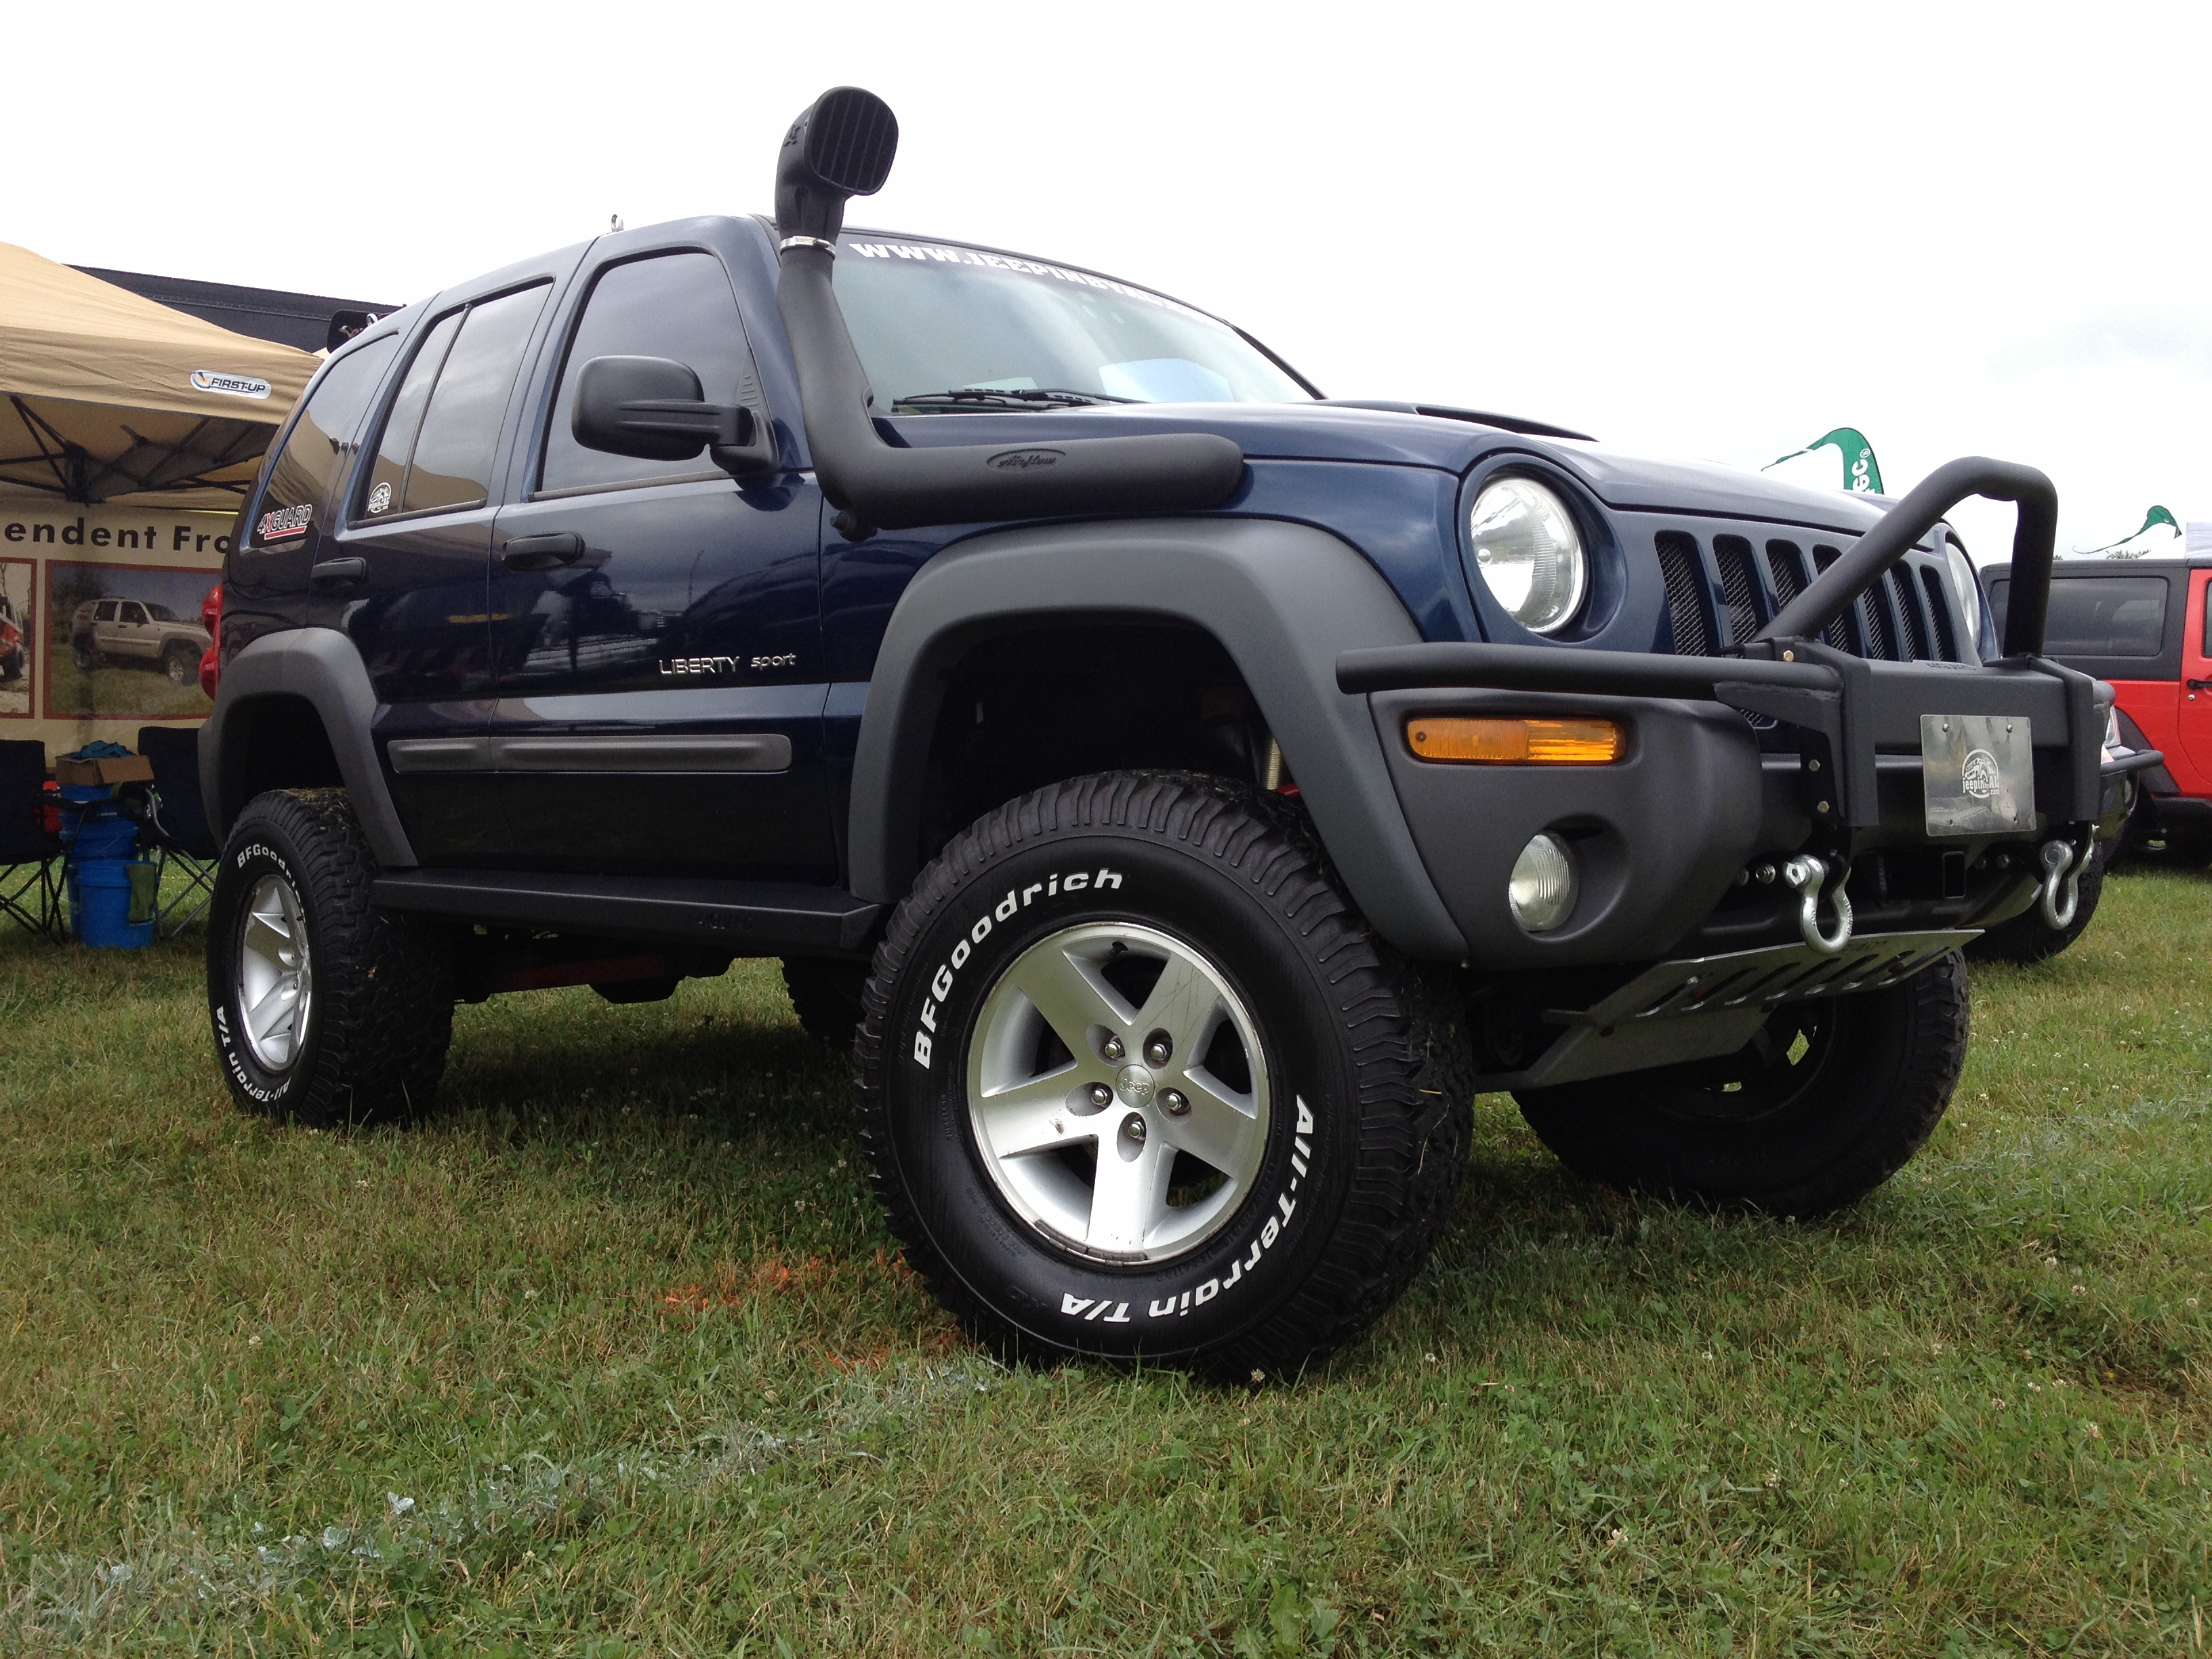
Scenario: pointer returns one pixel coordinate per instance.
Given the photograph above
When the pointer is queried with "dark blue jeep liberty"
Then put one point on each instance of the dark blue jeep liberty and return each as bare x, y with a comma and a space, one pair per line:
1184, 790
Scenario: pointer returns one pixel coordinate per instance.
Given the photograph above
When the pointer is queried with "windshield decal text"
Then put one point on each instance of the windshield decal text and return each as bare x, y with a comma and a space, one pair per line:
927, 252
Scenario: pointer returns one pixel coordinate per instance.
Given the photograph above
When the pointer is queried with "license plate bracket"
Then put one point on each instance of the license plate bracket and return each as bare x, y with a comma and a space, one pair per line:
1978, 774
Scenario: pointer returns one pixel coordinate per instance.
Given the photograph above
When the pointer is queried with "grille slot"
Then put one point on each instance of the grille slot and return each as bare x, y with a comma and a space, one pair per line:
1785, 568
1834, 634
1874, 618
1739, 588
1916, 644
1687, 597
1939, 612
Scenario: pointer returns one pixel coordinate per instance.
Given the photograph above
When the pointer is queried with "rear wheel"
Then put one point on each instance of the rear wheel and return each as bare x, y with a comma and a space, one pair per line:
1136, 1081
325, 1011
1826, 1103
85, 653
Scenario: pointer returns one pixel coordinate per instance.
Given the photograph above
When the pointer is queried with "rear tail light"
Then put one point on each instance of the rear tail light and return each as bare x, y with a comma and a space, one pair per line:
211, 659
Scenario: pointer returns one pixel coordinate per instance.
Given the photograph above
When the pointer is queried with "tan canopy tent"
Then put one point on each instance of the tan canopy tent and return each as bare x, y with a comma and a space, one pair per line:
106, 397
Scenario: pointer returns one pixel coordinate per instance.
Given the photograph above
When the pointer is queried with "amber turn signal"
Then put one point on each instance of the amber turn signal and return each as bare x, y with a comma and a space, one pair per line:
1515, 741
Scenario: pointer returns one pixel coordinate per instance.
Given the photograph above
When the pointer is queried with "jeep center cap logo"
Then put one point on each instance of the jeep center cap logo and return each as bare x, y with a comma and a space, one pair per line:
231, 386
1979, 775
1021, 460
1133, 1082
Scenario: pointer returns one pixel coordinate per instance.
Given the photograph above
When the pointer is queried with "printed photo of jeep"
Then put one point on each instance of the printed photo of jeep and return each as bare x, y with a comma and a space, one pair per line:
14, 641
137, 632
1182, 791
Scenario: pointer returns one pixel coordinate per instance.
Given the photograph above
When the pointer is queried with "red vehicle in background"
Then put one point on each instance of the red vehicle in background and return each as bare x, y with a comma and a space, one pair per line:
2142, 623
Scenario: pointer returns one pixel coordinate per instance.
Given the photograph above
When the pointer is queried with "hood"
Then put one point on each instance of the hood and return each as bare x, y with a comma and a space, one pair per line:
1400, 437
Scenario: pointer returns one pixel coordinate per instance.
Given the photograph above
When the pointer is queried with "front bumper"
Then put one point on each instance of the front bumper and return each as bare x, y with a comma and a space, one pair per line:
1673, 840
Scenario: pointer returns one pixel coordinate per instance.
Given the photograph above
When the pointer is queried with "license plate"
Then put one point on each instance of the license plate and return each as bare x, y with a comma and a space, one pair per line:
1978, 774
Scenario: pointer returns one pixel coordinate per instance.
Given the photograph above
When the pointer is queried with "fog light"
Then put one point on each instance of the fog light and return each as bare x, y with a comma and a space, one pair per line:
1542, 887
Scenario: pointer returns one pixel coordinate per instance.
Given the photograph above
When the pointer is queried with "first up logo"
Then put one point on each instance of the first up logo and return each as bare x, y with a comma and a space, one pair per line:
230, 386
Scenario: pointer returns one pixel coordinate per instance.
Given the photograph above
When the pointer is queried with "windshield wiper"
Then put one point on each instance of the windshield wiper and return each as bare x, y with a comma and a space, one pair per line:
982, 398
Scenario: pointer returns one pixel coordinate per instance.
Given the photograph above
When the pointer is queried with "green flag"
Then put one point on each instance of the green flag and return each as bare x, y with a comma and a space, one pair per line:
2152, 519
1861, 473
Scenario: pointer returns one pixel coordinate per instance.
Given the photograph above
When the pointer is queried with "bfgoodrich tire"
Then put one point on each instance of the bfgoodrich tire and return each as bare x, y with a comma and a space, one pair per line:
1828, 1103
325, 1012
1136, 1081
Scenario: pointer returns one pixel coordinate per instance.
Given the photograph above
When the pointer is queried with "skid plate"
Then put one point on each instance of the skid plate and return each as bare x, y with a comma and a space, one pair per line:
1705, 1006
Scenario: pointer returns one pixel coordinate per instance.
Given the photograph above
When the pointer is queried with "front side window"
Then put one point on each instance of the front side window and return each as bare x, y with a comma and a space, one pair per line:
932, 319
670, 305
314, 452
442, 430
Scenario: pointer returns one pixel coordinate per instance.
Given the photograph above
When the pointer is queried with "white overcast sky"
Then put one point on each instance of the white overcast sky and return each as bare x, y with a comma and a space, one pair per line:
1692, 230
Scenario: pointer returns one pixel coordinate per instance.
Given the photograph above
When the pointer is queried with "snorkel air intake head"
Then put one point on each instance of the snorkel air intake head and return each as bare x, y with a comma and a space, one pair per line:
841, 147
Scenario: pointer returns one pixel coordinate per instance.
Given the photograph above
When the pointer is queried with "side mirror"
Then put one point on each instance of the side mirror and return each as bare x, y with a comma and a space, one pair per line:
651, 408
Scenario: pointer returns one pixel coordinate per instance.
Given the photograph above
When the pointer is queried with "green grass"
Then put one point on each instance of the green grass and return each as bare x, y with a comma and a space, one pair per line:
617, 1359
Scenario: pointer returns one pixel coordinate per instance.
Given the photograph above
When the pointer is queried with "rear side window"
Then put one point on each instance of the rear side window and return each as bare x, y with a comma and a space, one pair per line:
668, 304
2107, 617
435, 452
315, 452
2097, 616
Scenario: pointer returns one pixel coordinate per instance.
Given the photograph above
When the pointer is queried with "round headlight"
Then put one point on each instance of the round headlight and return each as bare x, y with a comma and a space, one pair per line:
1529, 553
1968, 589
1542, 889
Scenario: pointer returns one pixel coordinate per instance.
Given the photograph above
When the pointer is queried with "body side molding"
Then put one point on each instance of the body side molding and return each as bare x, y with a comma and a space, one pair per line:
1282, 598
321, 665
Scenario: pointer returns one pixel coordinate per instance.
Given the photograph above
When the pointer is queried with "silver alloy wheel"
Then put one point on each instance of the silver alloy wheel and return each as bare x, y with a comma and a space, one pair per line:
1077, 1127
275, 980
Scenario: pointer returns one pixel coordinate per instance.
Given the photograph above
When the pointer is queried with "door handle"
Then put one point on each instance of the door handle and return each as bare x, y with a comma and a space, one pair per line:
542, 552
2199, 685
337, 573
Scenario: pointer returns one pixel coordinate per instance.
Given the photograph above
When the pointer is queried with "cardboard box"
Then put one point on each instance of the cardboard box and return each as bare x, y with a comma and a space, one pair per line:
114, 768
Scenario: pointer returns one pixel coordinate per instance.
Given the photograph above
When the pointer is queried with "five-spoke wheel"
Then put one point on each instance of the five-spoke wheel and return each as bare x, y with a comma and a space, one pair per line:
1118, 1092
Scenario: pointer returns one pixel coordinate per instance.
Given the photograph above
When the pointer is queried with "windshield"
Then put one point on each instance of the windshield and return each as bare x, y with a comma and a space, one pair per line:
931, 319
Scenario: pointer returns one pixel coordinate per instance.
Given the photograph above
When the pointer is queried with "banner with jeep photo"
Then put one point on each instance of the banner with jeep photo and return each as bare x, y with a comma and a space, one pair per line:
100, 629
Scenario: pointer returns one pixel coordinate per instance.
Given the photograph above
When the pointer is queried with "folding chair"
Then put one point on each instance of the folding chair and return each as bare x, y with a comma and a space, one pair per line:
30, 853
174, 822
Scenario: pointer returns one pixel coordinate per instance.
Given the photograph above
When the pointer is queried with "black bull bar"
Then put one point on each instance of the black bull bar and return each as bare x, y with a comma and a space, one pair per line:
1846, 707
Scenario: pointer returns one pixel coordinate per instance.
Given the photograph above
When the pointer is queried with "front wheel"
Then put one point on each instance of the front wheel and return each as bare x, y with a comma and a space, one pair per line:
1826, 1103
325, 1011
182, 665
1136, 1081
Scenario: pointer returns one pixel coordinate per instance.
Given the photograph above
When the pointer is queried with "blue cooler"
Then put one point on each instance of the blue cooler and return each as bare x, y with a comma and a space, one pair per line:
101, 904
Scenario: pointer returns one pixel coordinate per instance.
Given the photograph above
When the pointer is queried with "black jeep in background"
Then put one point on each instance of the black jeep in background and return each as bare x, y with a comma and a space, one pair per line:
1185, 791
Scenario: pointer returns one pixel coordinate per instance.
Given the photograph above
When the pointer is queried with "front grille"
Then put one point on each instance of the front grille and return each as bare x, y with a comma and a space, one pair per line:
1721, 591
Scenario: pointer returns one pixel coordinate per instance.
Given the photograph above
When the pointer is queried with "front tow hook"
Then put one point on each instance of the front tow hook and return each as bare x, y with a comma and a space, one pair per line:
2061, 894
1808, 874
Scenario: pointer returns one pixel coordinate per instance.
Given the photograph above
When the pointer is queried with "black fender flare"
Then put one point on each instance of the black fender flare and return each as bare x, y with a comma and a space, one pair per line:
322, 666
1282, 598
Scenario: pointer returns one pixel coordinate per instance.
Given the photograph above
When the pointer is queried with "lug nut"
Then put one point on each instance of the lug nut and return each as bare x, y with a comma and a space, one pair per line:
1174, 1103
1101, 1096
1112, 1048
1157, 1048
1133, 1127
